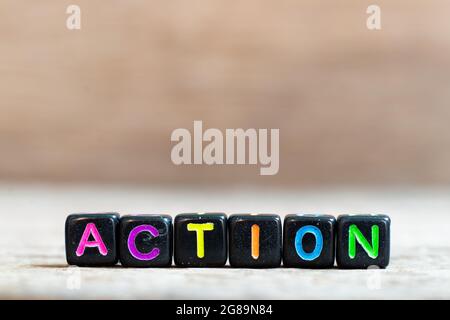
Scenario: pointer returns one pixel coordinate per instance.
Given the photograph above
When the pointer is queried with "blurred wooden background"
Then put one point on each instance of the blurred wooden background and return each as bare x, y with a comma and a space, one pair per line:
352, 105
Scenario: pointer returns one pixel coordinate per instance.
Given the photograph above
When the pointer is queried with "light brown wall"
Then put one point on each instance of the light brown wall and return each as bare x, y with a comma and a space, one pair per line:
353, 106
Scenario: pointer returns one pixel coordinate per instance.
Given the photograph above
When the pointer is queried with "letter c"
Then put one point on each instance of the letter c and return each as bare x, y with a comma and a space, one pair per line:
132, 243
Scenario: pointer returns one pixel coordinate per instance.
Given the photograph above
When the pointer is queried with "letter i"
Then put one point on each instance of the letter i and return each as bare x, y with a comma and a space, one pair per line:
255, 241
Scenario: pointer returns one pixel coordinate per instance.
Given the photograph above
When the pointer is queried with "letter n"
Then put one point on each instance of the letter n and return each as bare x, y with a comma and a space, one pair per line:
354, 234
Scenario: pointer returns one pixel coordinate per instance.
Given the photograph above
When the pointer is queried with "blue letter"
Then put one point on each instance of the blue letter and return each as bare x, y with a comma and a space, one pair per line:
299, 246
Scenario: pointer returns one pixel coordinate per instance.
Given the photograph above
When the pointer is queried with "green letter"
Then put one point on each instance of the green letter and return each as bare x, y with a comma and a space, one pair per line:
355, 234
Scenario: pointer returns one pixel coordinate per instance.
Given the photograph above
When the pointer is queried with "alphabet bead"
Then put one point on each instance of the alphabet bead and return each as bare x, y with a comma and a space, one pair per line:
255, 240
91, 239
145, 241
309, 241
201, 240
363, 241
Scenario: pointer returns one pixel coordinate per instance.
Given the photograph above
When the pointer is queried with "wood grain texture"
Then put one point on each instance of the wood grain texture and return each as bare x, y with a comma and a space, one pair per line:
32, 261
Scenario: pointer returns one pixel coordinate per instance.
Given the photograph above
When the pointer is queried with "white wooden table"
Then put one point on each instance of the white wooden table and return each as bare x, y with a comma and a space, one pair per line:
32, 258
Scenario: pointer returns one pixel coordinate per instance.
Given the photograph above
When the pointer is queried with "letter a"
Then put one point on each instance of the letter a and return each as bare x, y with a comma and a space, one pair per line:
73, 22
374, 20
91, 229
181, 152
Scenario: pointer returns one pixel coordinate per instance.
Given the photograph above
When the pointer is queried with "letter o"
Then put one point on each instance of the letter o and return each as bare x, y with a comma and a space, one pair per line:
299, 245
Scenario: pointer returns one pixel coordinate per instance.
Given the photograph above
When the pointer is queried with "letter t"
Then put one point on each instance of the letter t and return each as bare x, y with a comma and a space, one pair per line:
200, 228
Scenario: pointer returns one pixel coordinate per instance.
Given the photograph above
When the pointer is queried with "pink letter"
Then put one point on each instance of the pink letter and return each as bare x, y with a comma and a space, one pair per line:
84, 242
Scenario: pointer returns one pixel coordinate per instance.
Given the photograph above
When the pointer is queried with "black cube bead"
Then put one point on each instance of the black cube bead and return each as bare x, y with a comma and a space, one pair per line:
255, 240
363, 241
145, 241
309, 241
200, 240
91, 239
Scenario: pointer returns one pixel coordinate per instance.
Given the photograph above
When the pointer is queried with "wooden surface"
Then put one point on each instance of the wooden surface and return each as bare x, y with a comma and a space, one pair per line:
32, 260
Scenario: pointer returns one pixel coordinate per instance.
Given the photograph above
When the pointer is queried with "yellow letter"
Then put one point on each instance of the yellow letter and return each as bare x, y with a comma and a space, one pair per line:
200, 228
